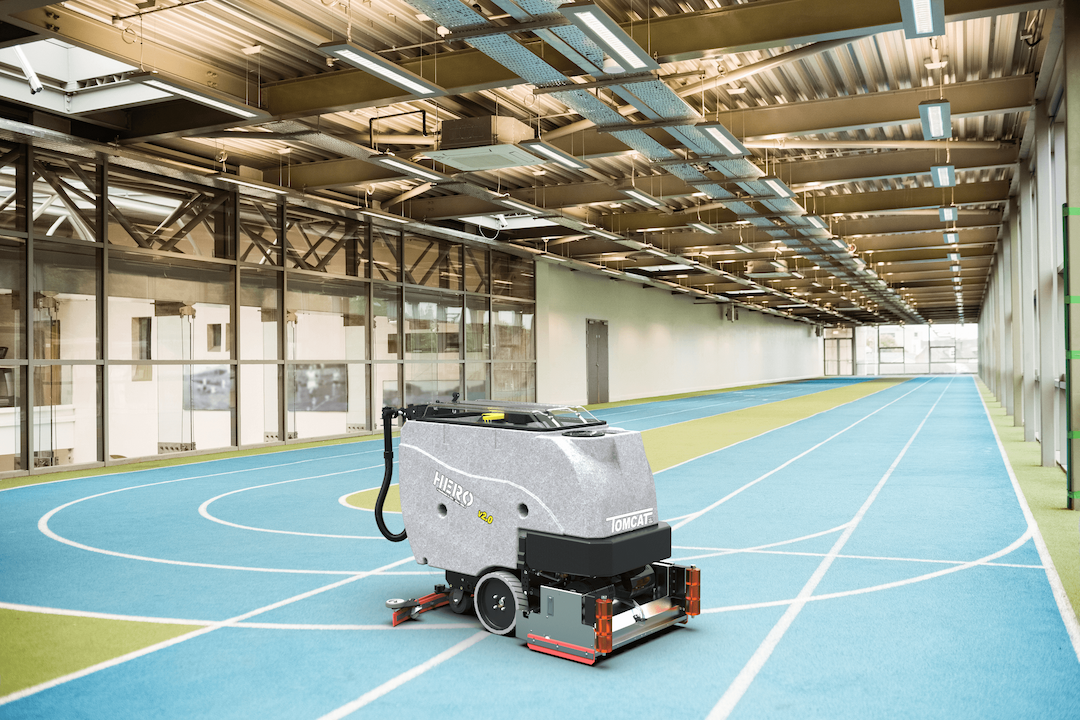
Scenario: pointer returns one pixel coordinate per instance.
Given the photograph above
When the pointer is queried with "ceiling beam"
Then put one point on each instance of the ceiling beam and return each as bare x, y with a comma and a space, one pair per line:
880, 109
702, 34
892, 164
824, 205
925, 197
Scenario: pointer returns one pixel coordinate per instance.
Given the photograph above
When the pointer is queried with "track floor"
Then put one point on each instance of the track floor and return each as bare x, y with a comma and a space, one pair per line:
872, 560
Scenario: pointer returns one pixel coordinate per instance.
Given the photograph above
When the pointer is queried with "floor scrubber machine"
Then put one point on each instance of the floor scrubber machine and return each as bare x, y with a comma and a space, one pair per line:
545, 521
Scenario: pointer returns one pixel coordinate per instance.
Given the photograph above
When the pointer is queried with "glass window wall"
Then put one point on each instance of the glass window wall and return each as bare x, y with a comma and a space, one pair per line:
916, 349
226, 325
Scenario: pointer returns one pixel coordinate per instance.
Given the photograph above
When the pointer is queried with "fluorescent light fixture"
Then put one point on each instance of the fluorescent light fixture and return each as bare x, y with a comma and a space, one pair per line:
658, 253
704, 228
840, 244
609, 271
203, 96
936, 121
723, 137
817, 222
955, 257
607, 235
743, 248
409, 168
777, 185
553, 154
922, 18
948, 214
943, 175
384, 216
258, 186
643, 197
381, 68
951, 238
521, 206
605, 32
797, 274
28, 71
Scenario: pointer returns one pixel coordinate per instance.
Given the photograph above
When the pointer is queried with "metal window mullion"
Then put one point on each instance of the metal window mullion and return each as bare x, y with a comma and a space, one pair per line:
283, 286
234, 312
28, 310
103, 288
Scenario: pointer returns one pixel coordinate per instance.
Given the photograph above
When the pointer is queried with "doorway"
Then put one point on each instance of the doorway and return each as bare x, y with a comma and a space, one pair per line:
596, 361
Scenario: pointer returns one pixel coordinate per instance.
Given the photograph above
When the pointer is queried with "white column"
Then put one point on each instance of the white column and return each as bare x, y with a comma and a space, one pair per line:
1017, 312
1028, 264
1004, 275
1046, 269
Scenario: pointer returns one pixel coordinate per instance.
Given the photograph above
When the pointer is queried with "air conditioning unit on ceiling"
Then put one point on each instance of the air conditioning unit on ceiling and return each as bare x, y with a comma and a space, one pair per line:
484, 143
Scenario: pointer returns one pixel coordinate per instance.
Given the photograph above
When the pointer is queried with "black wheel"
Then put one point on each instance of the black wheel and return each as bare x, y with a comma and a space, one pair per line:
461, 602
498, 598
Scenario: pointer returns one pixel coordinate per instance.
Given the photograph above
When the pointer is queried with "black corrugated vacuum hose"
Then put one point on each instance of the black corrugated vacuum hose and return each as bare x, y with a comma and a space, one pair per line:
388, 415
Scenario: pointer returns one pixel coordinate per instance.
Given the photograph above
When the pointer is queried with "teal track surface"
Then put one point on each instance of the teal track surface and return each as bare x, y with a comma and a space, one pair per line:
871, 561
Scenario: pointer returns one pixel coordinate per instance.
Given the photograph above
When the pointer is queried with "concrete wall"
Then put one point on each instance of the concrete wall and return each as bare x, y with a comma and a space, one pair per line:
658, 343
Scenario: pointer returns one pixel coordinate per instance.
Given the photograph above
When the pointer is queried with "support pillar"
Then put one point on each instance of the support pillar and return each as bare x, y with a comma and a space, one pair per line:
1028, 264
1046, 284
1005, 273
1071, 210
1017, 313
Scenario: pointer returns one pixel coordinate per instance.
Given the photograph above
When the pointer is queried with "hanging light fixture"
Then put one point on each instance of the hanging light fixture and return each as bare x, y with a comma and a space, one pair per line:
936, 120
922, 18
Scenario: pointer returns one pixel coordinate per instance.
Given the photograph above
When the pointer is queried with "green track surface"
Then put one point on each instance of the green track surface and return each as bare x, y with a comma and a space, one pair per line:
697, 393
1044, 489
36, 648
365, 499
674, 444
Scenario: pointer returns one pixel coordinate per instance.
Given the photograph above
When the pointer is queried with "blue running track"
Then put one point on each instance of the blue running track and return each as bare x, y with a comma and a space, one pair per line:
871, 561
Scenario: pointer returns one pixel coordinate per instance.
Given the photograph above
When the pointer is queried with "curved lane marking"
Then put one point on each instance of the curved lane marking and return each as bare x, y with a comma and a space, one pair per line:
206, 513
43, 527
722, 551
231, 622
344, 500
885, 586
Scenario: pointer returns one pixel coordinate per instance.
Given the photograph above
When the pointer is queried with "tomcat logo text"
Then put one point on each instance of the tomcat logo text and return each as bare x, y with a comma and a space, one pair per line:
631, 520
452, 490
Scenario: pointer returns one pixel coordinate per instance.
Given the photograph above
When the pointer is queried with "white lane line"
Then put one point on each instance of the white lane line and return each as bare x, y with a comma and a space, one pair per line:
875, 558
885, 586
1065, 608
685, 410
199, 462
261, 626
737, 491
757, 661
205, 512
778, 427
383, 626
26, 692
342, 501
43, 527
373, 695
100, 615
713, 552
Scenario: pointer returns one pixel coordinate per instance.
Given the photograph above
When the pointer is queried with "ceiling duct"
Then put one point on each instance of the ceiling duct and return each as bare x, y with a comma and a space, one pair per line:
484, 143
767, 269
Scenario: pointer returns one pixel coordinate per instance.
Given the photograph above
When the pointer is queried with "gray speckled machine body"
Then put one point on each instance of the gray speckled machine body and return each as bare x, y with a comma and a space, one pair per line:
467, 489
